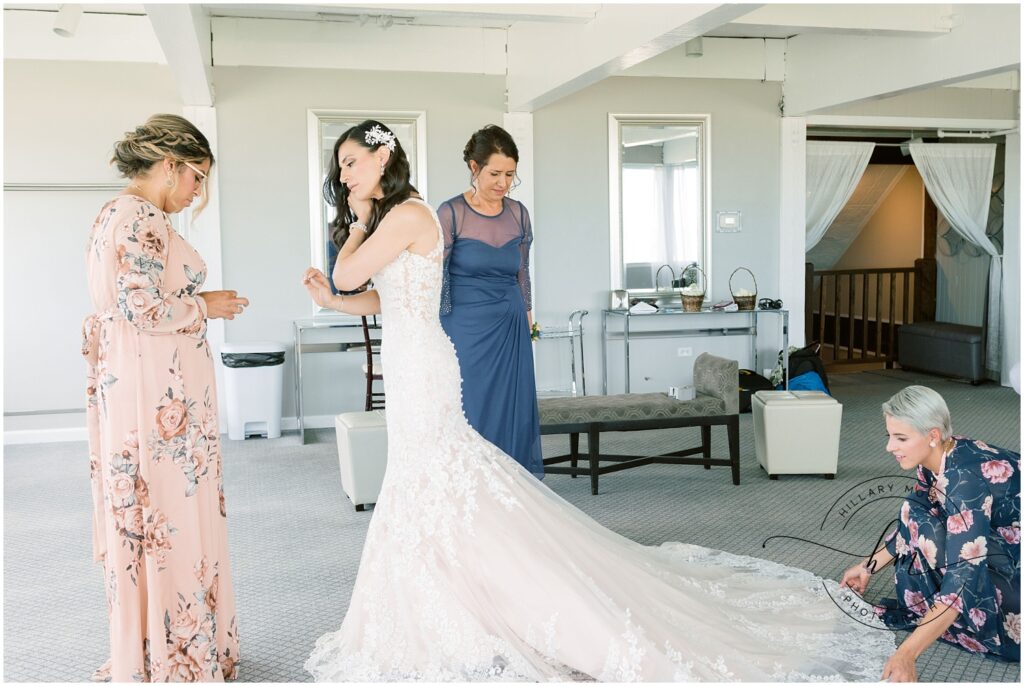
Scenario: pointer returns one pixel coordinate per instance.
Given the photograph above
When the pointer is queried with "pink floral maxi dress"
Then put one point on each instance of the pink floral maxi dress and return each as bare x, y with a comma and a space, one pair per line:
159, 526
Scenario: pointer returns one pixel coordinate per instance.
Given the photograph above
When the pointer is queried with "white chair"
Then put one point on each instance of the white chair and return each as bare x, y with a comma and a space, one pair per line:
797, 432
362, 455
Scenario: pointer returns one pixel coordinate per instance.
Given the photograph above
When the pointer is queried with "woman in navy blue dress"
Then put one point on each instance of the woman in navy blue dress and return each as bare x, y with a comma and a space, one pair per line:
956, 547
486, 302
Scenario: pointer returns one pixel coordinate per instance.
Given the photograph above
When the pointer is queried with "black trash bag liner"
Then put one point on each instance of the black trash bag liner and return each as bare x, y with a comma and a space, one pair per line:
245, 360
750, 383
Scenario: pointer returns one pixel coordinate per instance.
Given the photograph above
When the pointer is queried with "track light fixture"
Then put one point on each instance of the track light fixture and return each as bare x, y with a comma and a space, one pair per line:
66, 22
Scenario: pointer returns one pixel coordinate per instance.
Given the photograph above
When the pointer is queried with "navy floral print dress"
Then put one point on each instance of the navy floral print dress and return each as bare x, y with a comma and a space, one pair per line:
958, 543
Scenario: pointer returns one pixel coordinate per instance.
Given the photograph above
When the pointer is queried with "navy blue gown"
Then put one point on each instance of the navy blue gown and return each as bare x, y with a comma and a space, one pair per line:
484, 301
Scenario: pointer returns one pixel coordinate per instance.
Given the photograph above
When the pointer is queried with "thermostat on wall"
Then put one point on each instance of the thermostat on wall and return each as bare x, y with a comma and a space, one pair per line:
729, 222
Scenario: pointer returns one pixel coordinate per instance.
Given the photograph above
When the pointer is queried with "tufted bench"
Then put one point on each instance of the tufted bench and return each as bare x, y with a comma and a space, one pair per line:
716, 382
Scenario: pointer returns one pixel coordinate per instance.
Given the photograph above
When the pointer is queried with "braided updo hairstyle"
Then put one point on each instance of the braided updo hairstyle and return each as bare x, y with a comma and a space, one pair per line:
160, 137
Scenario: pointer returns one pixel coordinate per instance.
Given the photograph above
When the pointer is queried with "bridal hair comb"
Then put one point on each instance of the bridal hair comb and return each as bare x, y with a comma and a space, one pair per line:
378, 136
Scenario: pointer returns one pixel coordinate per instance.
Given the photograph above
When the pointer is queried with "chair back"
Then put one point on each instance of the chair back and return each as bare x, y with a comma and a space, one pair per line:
374, 399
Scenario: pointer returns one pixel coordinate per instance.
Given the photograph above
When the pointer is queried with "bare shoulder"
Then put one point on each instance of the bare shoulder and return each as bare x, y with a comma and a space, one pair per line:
410, 218
417, 211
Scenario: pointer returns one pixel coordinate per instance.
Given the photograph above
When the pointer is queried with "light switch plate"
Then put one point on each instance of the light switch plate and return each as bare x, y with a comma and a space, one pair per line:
729, 221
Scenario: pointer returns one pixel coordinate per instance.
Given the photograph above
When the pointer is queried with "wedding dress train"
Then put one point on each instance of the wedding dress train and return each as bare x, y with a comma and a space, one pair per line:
474, 570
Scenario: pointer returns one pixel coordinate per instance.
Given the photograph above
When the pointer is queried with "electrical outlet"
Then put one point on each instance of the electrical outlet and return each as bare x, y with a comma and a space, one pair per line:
684, 352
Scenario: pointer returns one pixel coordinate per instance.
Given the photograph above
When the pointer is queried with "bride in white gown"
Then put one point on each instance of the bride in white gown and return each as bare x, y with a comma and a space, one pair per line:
474, 570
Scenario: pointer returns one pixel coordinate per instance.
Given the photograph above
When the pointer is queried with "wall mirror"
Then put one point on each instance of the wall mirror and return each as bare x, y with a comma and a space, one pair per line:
659, 200
324, 127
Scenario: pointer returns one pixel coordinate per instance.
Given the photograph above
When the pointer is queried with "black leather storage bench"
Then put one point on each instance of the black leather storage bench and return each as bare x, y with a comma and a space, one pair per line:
942, 348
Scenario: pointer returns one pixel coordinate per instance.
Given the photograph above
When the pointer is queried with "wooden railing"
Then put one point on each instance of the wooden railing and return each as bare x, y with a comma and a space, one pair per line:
856, 313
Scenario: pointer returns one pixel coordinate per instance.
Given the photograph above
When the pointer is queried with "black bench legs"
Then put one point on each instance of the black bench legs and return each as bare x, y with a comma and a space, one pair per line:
594, 458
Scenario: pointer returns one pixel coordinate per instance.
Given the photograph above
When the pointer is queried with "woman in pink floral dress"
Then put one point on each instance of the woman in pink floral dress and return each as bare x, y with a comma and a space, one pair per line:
158, 520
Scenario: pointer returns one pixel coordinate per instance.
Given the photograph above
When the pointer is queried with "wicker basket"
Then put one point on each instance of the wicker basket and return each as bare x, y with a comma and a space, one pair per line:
744, 302
693, 303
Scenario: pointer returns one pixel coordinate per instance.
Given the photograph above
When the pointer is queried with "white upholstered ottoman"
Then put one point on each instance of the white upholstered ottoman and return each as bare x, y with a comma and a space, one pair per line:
797, 432
362, 454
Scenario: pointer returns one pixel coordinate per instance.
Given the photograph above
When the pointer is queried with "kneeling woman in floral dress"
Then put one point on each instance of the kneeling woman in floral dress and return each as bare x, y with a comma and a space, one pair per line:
956, 548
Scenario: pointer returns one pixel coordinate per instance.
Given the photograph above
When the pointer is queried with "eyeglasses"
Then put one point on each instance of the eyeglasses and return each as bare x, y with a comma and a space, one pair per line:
769, 304
199, 173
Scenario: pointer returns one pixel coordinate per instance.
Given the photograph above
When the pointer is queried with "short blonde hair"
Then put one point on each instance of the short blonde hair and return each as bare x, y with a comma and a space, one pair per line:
162, 136
921, 408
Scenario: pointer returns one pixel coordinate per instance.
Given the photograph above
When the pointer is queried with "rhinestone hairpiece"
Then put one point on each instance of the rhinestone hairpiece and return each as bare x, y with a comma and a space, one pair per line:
377, 135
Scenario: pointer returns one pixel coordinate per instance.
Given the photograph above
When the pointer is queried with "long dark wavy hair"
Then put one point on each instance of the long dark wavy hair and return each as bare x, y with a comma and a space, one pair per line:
394, 182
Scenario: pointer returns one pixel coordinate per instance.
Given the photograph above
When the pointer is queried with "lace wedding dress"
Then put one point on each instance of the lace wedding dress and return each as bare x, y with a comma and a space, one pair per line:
474, 570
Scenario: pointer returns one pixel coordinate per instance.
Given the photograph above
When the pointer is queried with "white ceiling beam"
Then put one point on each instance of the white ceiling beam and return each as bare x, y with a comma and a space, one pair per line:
335, 45
875, 19
28, 35
550, 12
547, 62
1009, 81
184, 35
489, 14
723, 58
823, 72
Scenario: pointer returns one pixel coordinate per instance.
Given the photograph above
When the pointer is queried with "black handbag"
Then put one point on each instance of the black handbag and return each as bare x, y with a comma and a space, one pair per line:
750, 383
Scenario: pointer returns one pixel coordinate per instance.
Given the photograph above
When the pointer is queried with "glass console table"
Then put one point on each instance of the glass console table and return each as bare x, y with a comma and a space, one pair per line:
350, 325
675, 323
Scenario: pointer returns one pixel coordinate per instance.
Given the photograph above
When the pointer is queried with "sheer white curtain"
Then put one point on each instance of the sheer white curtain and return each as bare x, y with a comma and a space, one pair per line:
833, 170
681, 216
959, 180
660, 215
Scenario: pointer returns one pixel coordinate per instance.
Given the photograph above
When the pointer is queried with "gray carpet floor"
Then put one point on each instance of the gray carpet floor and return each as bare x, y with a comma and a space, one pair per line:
296, 540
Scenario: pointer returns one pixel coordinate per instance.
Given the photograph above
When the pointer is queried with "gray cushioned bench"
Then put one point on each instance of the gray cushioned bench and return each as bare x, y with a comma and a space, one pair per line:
943, 348
716, 382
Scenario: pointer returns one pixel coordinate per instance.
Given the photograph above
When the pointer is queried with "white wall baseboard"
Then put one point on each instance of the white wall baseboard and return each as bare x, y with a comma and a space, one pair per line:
55, 435
80, 433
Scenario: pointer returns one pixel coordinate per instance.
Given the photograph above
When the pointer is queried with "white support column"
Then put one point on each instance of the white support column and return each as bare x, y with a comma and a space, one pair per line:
793, 224
520, 127
184, 35
1011, 259
203, 233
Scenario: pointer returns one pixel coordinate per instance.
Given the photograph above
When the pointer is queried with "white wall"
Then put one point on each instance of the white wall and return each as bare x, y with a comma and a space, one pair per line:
60, 122
261, 115
572, 251
263, 191
892, 236
1011, 259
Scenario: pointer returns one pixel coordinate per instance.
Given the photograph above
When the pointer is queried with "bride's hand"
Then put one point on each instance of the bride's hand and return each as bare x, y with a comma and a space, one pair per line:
361, 208
319, 287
